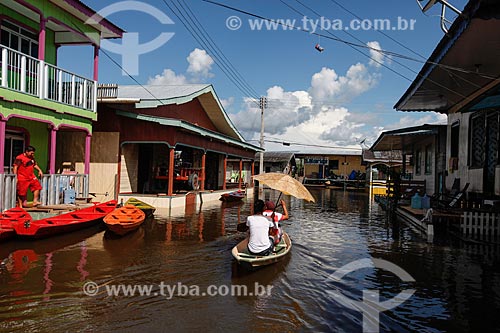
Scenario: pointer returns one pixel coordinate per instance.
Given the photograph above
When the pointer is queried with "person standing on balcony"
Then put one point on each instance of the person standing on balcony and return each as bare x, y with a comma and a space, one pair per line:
24, 168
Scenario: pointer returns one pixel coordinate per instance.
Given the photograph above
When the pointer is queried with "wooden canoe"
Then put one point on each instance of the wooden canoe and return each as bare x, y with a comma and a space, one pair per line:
146, 208
124, 219
241, 254
233, 196
66, 222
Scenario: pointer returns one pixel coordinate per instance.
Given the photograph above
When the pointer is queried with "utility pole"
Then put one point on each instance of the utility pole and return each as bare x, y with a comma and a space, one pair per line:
262, 104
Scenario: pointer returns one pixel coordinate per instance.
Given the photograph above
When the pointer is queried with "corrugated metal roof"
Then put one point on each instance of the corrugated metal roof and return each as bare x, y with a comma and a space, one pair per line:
160, 92
189, 127
153, 96
277, 156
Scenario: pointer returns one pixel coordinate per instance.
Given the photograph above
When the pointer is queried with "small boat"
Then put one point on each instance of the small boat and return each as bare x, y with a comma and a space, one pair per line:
146, 208
66, 222
241, 254
124, 219
8, 219
6, 231
233, 196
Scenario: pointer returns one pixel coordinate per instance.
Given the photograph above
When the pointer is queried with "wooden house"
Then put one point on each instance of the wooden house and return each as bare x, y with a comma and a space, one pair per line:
42, 104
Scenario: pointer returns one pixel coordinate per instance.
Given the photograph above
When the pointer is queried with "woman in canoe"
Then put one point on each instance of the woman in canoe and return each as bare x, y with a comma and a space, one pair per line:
276, 217
260, 243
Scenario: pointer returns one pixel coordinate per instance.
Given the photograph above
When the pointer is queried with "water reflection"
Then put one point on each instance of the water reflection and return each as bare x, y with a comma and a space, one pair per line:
457, 285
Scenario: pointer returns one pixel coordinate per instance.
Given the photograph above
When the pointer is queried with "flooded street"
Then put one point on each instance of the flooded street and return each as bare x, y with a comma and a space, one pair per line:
457, 286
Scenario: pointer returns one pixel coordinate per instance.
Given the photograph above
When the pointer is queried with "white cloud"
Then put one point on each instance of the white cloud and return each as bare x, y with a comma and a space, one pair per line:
416, 120
327, 84
226, 103
200, 63
168, 77
314, 116
377, 58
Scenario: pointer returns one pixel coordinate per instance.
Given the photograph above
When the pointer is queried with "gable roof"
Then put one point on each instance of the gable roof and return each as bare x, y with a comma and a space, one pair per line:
152, 96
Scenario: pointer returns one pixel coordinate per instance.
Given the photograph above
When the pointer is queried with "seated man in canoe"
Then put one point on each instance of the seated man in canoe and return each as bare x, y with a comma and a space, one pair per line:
276, 217
260, 243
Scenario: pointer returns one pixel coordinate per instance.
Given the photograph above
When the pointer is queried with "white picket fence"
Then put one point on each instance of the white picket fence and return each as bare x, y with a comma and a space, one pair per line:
481, 225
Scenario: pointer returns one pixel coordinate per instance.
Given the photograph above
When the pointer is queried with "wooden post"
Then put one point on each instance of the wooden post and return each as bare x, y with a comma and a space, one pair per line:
52, 154
224, 173
87, 152
239, 178
171, 161
202, 178
3, 125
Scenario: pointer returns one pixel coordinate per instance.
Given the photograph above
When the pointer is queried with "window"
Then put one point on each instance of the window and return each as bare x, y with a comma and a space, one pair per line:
418, 161
333, 164
477, 140
19, 39
428, 159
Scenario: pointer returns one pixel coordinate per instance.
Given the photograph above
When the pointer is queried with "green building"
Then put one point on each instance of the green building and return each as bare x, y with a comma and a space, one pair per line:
42, 104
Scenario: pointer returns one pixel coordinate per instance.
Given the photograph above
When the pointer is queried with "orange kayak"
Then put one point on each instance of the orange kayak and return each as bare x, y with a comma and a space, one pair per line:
124, 219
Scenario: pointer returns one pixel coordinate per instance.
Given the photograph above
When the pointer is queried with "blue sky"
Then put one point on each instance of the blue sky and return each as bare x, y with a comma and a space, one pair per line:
335, 98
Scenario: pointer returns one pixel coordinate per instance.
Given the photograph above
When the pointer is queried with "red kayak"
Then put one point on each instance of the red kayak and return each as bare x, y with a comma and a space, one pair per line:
66, 222
9, 219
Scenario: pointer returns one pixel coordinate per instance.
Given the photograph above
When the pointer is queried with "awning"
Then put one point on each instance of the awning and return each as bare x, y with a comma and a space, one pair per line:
397, 139
463, 66
189, 127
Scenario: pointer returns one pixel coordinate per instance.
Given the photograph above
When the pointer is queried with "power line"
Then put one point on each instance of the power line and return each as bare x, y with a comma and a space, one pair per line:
385, 66
231, 66
201, 39
390, 53
402, 45
354, 48
288, 143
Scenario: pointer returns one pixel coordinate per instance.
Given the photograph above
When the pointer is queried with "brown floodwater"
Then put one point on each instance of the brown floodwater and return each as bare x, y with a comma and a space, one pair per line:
43, 284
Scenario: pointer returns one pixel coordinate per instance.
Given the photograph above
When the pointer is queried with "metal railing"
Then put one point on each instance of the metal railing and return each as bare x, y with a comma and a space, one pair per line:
106, 90
8, 183
53, 187
31, 76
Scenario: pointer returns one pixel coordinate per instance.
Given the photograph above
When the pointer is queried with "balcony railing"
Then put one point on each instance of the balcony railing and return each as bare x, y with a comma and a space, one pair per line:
8, 184
31, 76
53, 187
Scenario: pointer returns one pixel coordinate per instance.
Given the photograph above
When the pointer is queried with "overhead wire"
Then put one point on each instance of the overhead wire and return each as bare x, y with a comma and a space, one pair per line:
357, 50
350, 44
391, 53
197, 35
282, 141
220, 52
402, 45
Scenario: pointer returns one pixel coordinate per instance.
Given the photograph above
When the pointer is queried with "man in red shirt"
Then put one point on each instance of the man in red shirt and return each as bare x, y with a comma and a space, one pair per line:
24, 166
